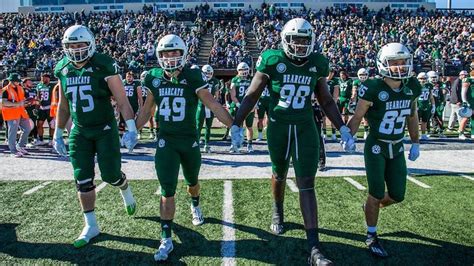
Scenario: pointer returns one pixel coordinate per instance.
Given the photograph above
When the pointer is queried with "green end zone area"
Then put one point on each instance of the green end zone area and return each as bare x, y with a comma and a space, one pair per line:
432, 226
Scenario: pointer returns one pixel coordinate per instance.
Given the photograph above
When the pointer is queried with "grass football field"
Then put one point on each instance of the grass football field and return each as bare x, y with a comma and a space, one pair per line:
433, 226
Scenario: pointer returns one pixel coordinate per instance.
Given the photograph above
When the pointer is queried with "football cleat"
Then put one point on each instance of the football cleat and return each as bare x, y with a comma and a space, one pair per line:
276, 229
375, 247
233, 149
86, 236
196, 212
249, 148
322, 167
164, 250
207, 149
317, 258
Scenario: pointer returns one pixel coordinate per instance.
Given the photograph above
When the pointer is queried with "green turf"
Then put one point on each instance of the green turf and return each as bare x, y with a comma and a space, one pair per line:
432, 226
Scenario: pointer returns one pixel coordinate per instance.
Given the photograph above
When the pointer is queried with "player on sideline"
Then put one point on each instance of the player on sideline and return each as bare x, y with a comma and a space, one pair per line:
293, 74
176, 89
389, 103
87, 81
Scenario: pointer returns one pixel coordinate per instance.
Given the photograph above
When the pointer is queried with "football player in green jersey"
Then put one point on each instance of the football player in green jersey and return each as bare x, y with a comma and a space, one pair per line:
293, 74
389, 103
176, 90
87, 80
362, 75
426, 104
133, 90
438, 92
238, 89
262, 112
45, 92
203, 113
345, 94
467, 95
333, 87
151, 122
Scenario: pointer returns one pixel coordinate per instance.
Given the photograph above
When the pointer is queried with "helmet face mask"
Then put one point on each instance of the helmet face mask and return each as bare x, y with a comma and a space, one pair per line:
422, 78
243, 70
362, 74
297, 39
208, 71
432, 77
395, 61
78, 43
171, 53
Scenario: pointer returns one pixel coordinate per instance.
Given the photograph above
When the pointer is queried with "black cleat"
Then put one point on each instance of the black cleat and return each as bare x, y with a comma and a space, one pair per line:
375, 247
317, 258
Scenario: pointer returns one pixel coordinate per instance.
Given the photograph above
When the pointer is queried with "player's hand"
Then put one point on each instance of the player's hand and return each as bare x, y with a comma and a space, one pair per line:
238, 105
347, 140
130, 138
433, 109
236, 136
58, 142
414, 152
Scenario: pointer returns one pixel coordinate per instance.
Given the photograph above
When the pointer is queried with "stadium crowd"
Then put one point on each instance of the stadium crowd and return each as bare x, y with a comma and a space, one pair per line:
34, 40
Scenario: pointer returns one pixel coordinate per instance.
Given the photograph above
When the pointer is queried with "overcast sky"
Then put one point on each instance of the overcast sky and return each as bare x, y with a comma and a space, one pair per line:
455, 3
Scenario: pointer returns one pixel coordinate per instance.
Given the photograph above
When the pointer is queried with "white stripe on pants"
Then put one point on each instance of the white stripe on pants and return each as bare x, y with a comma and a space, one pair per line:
25, 125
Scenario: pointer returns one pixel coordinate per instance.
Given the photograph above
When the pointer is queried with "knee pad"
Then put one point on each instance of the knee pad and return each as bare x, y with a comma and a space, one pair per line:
85, 185
120, 181
305, 183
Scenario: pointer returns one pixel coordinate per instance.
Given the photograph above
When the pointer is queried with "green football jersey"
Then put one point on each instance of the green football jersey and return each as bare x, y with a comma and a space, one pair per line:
291, 85
131, 92
45, 92
176, 100
345, 88
357, 83
214, 86
424, 102
390, 108
438, 95
265, 97
241, 86
86, 89
470, 91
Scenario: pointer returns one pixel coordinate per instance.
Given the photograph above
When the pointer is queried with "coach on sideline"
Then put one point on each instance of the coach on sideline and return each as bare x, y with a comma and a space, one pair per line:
14, 112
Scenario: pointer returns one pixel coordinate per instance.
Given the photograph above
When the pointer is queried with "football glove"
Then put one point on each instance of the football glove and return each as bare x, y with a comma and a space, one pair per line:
347, 140
236, 136
414, 152
58, 142
130, 138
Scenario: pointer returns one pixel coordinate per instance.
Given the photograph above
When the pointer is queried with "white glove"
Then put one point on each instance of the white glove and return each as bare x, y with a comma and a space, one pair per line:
238, 105
414, 152
130, 138
347, 140
433, 109
236, 136
58, 142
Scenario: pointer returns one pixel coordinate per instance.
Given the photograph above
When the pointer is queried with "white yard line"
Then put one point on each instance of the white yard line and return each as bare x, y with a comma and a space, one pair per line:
468, 177
228, 230
100, 187
291, 184
38, 187
417, 182
354, 183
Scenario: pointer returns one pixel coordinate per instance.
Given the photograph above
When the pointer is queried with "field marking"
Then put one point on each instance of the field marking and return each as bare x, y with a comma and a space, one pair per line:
158, 191
468, 177
100, 187
354, 183
417, 182
228, 230
38, 187
291, 184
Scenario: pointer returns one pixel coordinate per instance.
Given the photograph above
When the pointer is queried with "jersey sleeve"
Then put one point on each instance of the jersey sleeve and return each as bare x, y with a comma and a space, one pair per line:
323, 66
266, 62
367, 91
197, 80
108, 66
415, 86
233, 82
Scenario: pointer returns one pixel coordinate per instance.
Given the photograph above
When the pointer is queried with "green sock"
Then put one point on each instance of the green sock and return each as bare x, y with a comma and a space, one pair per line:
166, 228
195, 201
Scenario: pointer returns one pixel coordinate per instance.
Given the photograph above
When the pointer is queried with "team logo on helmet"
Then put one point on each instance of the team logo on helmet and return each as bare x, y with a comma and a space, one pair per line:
376, 149
161, 143
383, 96
281, 68
156, 82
